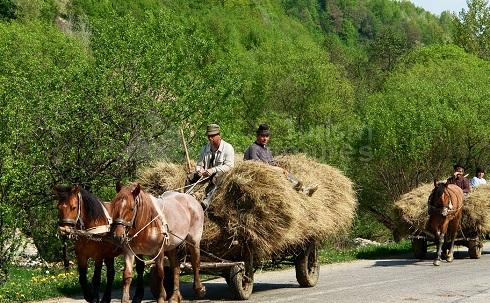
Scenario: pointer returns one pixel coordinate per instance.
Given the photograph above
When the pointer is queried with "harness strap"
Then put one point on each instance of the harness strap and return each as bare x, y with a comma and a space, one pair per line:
101, 229
79, 216
164, 227
106, 213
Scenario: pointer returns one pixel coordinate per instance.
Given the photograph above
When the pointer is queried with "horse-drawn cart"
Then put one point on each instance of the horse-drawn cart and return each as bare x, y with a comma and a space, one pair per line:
257, 218
239, 275
422, 239
475, 220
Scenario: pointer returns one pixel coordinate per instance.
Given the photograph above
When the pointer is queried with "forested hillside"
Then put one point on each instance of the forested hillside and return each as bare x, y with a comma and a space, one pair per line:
91, 91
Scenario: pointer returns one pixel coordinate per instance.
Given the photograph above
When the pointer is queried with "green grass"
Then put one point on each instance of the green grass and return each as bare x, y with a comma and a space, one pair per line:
330, 255
27, 284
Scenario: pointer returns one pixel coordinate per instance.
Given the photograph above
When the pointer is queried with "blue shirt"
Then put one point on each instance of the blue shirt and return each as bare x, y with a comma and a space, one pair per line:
475, 181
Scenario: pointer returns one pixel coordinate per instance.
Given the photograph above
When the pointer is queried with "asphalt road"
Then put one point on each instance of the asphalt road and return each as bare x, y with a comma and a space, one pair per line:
386, 280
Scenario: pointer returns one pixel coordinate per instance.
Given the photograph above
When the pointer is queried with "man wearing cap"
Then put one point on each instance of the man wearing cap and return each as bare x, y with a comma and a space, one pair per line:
459, 179
216, 158
260, 152
478, 179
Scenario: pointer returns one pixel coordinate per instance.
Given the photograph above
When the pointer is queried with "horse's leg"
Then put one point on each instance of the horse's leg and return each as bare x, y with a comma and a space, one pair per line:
96, 279
175, 267
199, 288
82, 262
109, 264
159, 277
140, 287
452, 232
439, 242
127, 276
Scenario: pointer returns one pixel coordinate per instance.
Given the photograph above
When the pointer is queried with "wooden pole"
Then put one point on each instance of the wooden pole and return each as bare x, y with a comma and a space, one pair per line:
189, 166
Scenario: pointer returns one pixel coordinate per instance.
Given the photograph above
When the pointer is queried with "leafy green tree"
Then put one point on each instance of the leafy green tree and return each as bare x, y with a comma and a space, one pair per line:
472, 28
424, 121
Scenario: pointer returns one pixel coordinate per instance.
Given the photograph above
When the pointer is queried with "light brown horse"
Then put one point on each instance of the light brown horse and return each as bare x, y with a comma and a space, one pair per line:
445, 208
152, 226
79, 209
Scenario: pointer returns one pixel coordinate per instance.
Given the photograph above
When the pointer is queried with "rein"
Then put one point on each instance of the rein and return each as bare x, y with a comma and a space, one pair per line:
164, 227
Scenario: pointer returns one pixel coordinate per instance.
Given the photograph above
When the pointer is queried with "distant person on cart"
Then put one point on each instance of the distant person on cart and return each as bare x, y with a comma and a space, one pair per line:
260, 152
478, 179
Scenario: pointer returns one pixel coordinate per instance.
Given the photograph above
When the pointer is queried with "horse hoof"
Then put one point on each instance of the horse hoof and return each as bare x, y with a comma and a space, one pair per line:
437, 262
176, 299
449, 259
200, 292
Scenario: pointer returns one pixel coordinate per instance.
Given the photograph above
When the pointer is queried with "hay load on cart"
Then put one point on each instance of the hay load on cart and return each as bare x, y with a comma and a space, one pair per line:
475, 221
256, 215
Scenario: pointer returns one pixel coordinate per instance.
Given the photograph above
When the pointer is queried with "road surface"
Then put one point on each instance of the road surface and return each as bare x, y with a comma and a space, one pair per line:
387, 280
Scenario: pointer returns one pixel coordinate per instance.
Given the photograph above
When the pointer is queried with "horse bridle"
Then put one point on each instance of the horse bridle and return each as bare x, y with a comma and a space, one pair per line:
127, 224
72, 222
444, 210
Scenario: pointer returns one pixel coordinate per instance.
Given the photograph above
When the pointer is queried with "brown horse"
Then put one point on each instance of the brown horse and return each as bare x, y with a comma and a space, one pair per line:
79, 209
153, 227
445, 208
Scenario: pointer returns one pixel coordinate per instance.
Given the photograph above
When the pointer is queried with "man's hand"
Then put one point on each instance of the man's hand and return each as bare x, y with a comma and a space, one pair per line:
208, 172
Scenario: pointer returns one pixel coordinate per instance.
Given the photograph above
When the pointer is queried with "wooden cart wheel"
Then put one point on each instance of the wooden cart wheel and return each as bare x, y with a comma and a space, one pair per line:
419, 248
474, 249
307, 266
168, 282
242, 281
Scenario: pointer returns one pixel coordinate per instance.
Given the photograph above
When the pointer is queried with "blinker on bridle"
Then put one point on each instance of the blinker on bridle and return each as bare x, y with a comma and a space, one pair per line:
121, 221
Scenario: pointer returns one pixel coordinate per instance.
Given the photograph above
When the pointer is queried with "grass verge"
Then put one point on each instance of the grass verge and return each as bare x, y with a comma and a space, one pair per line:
27, 284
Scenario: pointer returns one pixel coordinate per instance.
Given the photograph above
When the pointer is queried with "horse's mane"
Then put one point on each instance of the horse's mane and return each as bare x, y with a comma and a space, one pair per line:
92, 205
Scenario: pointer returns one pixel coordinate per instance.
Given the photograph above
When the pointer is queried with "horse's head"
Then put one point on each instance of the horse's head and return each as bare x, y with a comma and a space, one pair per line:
124, 209
69, 209
440, 200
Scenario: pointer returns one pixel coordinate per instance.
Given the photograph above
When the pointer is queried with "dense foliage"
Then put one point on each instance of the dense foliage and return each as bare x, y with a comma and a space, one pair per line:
92, 90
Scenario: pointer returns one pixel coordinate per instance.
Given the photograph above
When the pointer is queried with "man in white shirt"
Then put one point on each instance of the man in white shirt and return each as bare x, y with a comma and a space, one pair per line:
216, 158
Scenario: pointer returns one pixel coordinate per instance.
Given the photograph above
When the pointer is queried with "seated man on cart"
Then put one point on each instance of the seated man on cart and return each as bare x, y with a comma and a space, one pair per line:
260, 152
459, 179
216, 158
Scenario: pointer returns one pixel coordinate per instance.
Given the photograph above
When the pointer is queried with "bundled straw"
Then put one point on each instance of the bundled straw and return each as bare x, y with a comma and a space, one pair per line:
256, 208
412, 207
161, 177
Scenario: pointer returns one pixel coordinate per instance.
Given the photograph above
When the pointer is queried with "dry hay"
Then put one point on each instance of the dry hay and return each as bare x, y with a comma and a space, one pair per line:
412, 206
332, 207
257, 208
476, 210
161, 177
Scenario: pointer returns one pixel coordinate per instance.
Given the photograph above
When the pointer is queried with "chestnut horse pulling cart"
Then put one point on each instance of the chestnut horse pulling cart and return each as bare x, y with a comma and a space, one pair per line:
474, 224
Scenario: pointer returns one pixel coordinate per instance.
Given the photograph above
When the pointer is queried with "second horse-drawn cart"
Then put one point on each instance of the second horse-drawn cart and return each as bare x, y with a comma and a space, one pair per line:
422, 239
475, 221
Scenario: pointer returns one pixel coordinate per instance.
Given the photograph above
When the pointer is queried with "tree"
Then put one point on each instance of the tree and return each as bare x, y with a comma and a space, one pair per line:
423, 121
472, 28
